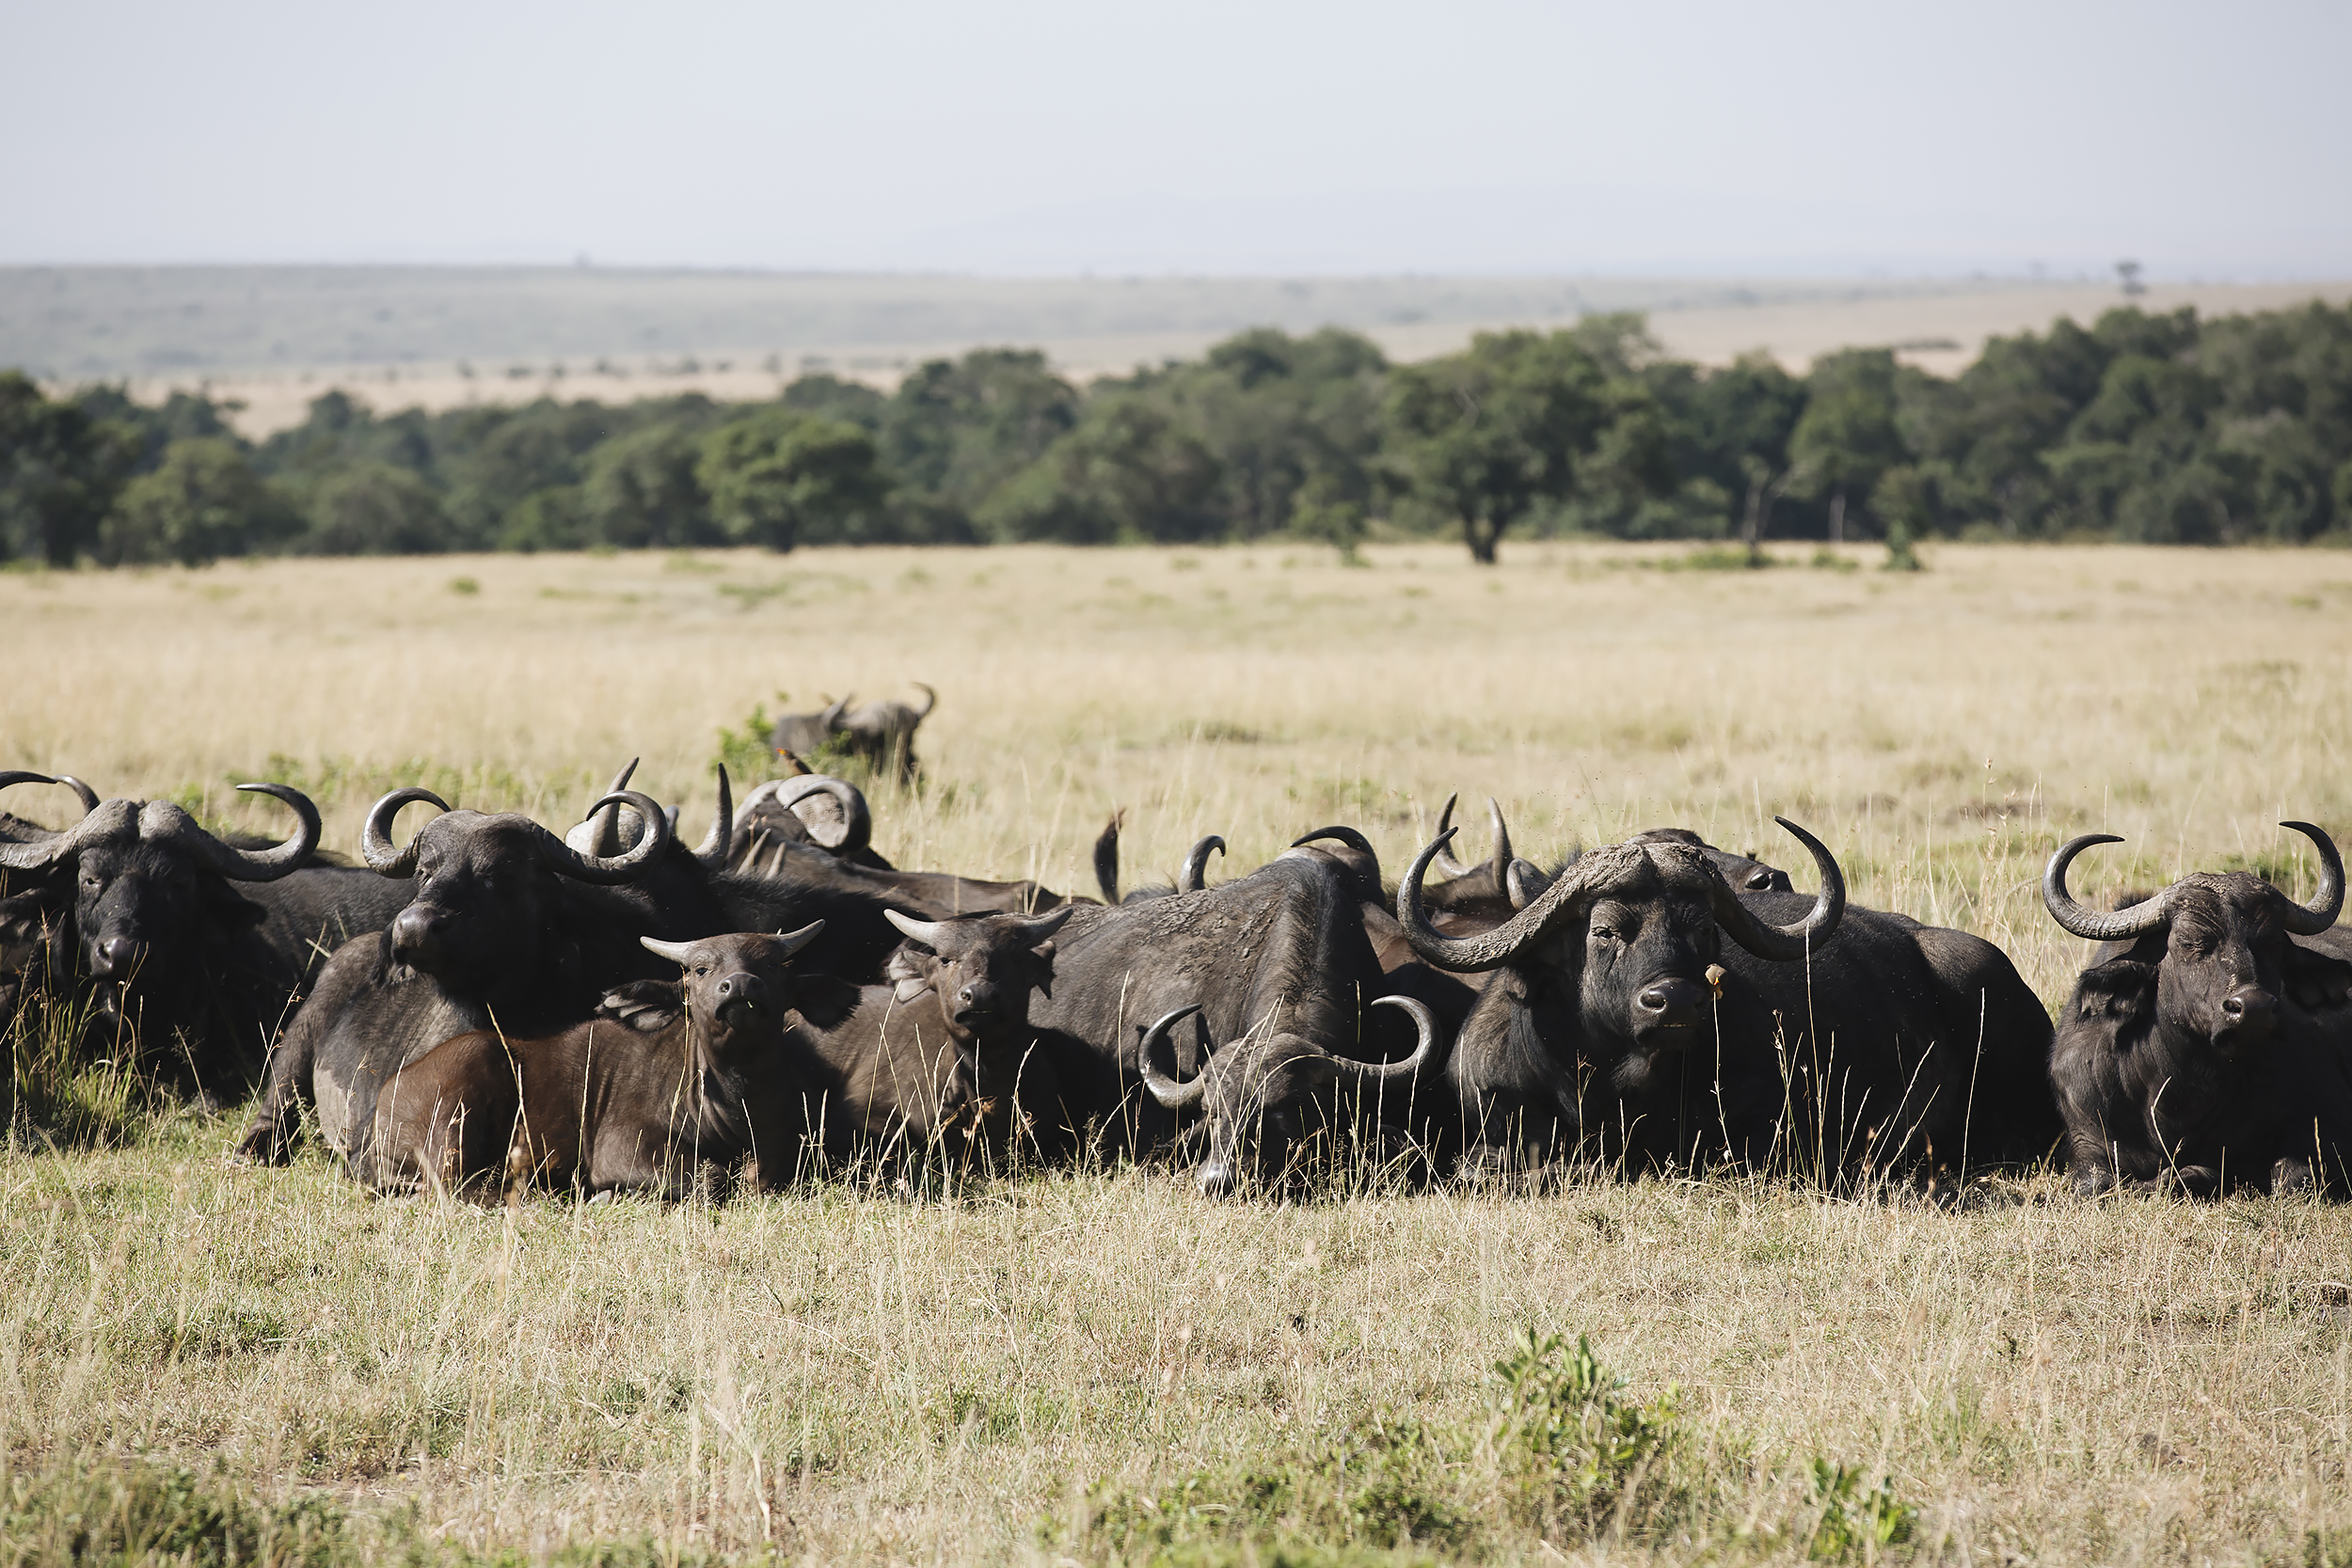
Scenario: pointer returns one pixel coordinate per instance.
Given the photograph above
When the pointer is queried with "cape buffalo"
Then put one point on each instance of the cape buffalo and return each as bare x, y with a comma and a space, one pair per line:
512, 928
196, 942
1281, 952
1258, 1092
880, 732
1613, 1018
2207, 1046
604, 1107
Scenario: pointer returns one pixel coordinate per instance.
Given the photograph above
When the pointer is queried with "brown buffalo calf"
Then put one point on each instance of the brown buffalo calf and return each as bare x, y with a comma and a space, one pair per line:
634, 1103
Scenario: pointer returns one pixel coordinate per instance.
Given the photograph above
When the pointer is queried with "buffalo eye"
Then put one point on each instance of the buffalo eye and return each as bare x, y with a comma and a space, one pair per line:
1758, 881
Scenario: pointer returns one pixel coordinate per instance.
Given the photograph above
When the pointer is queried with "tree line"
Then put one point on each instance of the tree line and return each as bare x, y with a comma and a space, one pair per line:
2156, 428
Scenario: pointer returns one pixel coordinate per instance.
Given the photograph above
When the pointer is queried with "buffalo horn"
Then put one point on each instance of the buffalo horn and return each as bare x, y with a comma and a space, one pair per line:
162, 821
1446, 862
1490, 949
375, 836
1348, 836
604, 827
87, 796
713, 852
2117, 926
930, 699
1522, 882
857, 823
43, 846
563, 859
1785, 943
1381, 1072
1040, 928
2309, 920
928, 932
1166, 1090
1194, 875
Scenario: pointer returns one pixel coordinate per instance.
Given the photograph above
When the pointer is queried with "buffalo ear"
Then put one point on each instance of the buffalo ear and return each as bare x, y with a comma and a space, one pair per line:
906, 967
909, 987
1044, 954
2315, 979
2118, 990
647, 1007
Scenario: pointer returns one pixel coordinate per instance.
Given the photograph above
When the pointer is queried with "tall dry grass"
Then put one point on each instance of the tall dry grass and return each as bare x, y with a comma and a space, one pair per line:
1098, 1365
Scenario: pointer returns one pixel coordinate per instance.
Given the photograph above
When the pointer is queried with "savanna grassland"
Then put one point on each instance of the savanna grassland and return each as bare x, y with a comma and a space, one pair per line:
196, 1358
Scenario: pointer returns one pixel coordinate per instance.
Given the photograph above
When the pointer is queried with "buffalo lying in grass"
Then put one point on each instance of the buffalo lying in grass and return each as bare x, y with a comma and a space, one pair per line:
2209, 1046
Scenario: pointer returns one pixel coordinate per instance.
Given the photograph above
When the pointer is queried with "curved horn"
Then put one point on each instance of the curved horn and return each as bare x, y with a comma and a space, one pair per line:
1163, 1087
2309, 920
239, 866
1040, 928
830, 717
46, 846
1381, 1072
930, 699
1500, 862
794, 940
713, 852
1446, 862
1522, 882
375, 837
928, 932
1106, 857
1495, 948
857, 821
2072, 917
1194, 875
1348, 836
563, 859
1786, 944
82, 792
604, 832
673, 951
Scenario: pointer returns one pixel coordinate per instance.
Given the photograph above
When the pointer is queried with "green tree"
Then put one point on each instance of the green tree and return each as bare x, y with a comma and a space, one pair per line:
375, 509
1483, 435
60, 469
1848, 435
777, 476
641, 490
955, 429
204, 502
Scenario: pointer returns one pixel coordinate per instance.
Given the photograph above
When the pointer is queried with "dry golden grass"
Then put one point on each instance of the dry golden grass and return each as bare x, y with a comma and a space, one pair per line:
852, 1377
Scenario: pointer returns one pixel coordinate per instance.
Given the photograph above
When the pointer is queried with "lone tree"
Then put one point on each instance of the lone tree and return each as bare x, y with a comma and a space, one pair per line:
1485, 434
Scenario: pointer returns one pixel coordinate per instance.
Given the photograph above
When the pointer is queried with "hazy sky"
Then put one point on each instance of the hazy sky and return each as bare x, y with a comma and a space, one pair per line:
1028, 136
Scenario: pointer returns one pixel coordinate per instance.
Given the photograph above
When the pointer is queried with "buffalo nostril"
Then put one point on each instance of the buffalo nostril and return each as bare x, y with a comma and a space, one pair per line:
1653, 1000
2233, 1007
1217, 1179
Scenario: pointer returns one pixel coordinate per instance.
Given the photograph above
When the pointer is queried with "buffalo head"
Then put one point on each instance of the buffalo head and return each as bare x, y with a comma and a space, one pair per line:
1632, 932
981, 968
487, 885
1253, 1092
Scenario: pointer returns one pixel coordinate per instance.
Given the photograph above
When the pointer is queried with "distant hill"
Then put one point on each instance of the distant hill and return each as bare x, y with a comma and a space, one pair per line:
82, 323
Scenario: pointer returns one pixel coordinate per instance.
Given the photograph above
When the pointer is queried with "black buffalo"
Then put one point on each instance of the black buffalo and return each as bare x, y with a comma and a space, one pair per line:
200, 947
2207, 1046
882, 734
505, 925
1277, 957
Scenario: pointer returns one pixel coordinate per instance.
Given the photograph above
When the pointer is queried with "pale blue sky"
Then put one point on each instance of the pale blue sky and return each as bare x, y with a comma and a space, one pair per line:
1042, 137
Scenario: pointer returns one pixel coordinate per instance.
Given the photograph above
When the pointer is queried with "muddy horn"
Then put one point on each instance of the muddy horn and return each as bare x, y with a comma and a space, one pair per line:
1194, 874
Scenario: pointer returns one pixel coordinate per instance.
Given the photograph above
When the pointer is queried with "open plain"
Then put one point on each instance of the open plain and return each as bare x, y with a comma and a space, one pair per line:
1101, 1366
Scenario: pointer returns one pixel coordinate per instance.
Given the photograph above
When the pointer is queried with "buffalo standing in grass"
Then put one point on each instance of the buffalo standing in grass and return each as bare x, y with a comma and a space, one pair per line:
2209, 1046
882, 734
606, 1106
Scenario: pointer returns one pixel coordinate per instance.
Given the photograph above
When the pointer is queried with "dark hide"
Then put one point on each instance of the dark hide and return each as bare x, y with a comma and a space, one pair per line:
2163, 1089
609, 1105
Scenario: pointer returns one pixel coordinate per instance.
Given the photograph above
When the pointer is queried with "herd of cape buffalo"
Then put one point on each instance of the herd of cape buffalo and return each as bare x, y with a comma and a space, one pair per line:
491, 1006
